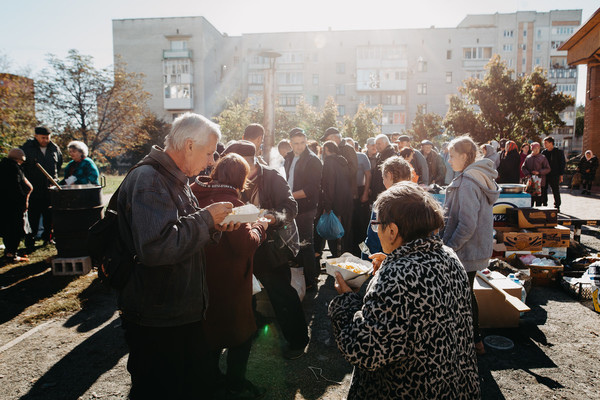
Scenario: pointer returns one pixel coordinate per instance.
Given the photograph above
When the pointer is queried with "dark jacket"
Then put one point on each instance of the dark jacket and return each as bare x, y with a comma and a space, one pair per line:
51, 161
536, 162
229, 319
377, 185
12, 182
509, 170
349, 153
307, 177
436, 167
588, 167
161, 223
336, 193
420, 166
556, 159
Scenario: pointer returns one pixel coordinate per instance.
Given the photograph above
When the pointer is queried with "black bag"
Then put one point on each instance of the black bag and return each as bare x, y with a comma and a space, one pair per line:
105, 246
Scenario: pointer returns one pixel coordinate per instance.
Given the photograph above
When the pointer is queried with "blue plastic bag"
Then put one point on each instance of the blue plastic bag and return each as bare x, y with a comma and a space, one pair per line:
329, 227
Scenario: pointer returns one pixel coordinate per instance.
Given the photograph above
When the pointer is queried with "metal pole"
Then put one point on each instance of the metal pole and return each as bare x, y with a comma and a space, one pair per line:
268, 111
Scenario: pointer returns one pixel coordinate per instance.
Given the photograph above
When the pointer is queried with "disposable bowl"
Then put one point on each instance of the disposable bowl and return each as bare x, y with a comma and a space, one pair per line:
243, 214
352, 278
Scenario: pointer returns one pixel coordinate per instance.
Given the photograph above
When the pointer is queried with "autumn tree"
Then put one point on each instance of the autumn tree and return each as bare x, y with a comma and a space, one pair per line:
103, 108
425, 126
327, 118
501, 106
364, 124
17, 111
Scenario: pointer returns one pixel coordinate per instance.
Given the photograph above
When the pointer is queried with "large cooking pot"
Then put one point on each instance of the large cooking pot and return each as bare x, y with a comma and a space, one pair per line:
512, 188
76, 197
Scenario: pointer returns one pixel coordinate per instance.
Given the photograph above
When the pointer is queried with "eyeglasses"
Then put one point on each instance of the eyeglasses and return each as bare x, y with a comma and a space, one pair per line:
375, 225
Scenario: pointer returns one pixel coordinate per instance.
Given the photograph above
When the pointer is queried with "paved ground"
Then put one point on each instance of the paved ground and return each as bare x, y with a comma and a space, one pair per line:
82, 355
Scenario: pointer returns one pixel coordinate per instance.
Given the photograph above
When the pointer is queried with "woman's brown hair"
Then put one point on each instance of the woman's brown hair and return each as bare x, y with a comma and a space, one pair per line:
231, 170
465, 145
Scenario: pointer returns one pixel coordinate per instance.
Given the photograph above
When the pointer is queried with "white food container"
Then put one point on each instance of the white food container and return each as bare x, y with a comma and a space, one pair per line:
353, 279
243, 214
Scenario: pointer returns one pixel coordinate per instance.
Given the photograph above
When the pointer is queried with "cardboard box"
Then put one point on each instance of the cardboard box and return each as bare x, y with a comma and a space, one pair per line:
556, 252
541, 275
557, 236
519, 241
494, 310
529, 217
508, 254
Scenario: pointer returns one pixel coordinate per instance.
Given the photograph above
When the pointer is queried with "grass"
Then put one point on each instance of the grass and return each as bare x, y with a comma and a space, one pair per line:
112, 183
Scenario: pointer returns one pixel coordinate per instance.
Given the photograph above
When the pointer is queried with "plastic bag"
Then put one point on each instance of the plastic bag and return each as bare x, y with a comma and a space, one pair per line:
298, 281
255, 285
534, 185
329, 226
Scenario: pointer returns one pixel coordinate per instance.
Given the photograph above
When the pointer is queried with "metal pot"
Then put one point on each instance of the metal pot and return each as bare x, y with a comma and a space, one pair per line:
512, 188
76, 197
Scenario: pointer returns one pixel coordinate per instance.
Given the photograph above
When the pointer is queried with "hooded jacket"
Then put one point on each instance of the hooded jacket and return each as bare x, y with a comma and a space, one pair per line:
468, 211
492, 154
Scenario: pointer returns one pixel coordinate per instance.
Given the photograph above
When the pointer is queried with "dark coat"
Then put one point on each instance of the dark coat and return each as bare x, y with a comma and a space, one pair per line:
556, 159
509, 170
588, 168
12, 201
229, 317
377, 185
437, 168
307, 177
336, 192
51, 161
536, 162
349, 153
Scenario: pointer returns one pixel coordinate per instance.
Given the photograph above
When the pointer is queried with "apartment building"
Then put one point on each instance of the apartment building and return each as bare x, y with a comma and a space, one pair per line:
190, 66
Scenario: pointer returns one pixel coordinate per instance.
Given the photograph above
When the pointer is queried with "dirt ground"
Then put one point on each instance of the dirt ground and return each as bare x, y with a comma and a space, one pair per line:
82, 355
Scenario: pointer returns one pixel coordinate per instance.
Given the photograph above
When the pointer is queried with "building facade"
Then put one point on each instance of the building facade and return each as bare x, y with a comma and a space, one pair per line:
190, 66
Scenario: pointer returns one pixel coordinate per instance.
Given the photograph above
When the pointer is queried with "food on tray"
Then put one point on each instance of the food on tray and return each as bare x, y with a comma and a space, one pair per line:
243, 214
352, 266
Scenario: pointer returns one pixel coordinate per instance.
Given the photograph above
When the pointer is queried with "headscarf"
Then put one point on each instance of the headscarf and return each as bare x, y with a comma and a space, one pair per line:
590, 153
510, 146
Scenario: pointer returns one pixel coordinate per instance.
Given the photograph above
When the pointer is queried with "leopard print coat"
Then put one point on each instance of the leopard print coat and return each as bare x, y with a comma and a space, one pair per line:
411, 337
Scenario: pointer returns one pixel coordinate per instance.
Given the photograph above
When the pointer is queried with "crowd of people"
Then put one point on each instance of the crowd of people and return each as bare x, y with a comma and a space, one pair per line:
26, 207
413, 333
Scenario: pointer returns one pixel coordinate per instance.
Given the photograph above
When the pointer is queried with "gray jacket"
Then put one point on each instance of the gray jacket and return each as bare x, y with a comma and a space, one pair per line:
160, 222
468, 210
492, 154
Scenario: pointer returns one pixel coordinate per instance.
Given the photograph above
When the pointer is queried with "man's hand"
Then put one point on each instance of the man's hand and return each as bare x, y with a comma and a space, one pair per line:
377, 260
232, 226
560, 179
270, 218
219, 211
340, 285
264, 222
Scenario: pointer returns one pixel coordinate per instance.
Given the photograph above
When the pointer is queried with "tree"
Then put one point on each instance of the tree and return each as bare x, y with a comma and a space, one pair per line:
500, 106
154, 130
327, 118
425, 126
17, 111
103, 108
579, 120
364, 124
236, 117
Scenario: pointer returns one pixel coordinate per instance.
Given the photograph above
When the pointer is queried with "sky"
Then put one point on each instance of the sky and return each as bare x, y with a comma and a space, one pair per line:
31, 29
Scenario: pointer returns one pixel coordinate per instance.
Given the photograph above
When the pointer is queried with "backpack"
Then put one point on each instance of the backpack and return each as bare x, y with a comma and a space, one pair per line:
105, 245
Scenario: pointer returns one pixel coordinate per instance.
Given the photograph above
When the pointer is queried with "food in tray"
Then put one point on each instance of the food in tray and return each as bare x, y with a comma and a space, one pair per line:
243, 214
352, 266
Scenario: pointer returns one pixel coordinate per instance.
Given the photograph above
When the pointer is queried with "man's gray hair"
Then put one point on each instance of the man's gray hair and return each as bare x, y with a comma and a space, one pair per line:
191, 126
384, 137
77, 145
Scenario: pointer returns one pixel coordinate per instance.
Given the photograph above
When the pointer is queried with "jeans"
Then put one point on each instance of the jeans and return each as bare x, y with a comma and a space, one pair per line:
39, 206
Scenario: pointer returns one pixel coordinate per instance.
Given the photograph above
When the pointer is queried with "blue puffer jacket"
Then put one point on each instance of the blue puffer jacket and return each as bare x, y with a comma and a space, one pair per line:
468, 211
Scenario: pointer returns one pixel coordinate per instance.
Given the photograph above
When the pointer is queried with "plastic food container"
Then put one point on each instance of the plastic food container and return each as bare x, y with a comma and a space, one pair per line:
243, 214
354, 270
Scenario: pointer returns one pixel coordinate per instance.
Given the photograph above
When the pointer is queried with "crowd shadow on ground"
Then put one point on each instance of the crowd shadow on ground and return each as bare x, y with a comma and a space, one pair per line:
24, 285
529, 342
77, 371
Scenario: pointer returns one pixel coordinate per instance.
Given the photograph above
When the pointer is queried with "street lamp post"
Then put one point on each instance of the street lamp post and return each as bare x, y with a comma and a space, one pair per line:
269, 103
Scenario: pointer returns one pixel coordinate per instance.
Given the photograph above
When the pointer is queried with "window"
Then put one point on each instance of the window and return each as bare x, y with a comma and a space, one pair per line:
177, 78
340, 68
555, 44
255, 78
315, 80
448, 54
525, 33
340, 89
448, 77
523, 61
510, 62
288, 100
422, 108
178, 45
524, 46
537, 61
174, 91
392, 99
421, 65
563, 30
393, 118
315, 101
421, 88
507, 47
477, 53
538, 46
508, 33
341, 110
290, 78
539, 33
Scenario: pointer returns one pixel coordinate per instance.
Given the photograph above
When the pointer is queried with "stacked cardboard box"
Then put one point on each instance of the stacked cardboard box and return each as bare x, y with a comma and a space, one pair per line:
494, 311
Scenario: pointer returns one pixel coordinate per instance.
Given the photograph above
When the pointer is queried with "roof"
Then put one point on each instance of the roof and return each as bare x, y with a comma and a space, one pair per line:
585, 42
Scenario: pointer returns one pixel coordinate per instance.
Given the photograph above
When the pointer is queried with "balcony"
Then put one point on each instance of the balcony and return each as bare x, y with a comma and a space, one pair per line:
178, 104
177, 54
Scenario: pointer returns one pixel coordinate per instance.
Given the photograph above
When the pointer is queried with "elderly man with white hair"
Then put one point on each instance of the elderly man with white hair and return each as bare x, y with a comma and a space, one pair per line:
164, 300
81, 169
384, 151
